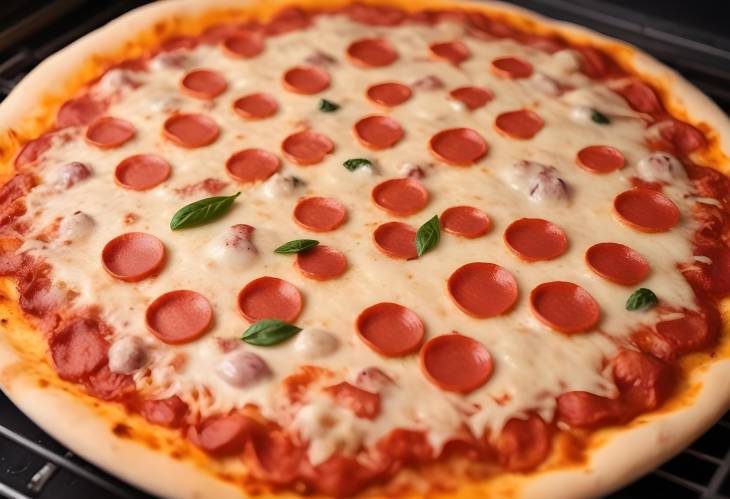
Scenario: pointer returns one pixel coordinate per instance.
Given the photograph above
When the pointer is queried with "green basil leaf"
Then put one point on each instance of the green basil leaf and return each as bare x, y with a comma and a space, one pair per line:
327, 106
642, 299
269, 332
296, 246
355, 163
428, 235
202, 211
600, 118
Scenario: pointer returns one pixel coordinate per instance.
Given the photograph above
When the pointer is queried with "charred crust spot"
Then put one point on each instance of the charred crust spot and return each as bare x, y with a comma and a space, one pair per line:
42, 383
121, 430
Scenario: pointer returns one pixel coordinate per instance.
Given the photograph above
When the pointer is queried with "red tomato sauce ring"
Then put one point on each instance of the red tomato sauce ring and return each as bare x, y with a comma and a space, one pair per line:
456, 363
270, 298
400, 196
465, 221
378, 132
179, 316
483, 290
319, 214
108, 132
191, 130
535, 239
306, 147
321, 263
371, 52
390, 329
396, 240
600, 159
203, 84
256, 106
617, 263
564, 307
141, 172
251, 165
458, 146
646, 210
133, 256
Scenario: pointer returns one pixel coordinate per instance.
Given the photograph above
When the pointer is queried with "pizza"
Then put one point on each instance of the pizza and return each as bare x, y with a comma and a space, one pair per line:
387, 249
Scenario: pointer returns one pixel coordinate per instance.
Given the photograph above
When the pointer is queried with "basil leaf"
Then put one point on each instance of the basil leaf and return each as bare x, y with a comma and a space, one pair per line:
327, 106
269, 332
202, 211
355, 163
641, 299
428, 235
600, 118
296, 246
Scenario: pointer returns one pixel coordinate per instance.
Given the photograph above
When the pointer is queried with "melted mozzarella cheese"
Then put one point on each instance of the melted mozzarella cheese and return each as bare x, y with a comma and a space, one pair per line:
533, 364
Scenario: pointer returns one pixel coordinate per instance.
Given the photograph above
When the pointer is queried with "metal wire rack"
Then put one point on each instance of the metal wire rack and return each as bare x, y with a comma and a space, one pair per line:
33, 465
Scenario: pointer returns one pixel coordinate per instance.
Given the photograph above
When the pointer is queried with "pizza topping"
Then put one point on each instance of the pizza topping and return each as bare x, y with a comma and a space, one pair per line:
581, 409
190, 130
483, 290
565, 307
600, 159
412, 170
429, 83
660, 167
642, 299
269, 332
524, 443
179, 316
472, 97
617, 263
133, 256
378, 132
256, 106
465, 221
202, 211
641, 97
127, 355
685, 138
542, 183
142, 172
108, 132
319, 58
357, 163
511, 67
296, 246
169, 412
270, 298
372, 379
223, 435
75, 227
242, 369
390, 329
646, 210
389, 94
362, 403
251, 165
400, 196
32, 150
535, 239
456, 363
233, 247
243, 44
306, 147
458, 146
203, 84
327, 106
306, 80
396, 240
372, 52
522, 125
319, 214
78, 349
79, 111
428, 236
70, 174
321, 263
313, 343
454, 52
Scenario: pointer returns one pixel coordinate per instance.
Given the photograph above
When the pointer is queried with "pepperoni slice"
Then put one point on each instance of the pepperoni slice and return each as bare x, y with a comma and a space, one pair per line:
564, 306
465, 221
396, 240
306, 80
378, 132
400, 196
646, 210
455, 52
179, 316
458, 146
32, 150
251, 165
270, 298
256, 106
511, 67
535, 239
108, 132
307, 147
321, 263
203, 84
319, 214
191, 130
133, 256
79, 111
641, 97
389, 94
617, 263
244, 44
141, 172
683, 136
600, 159
472, 97
483, 290
78, 350
372, 52
456, 363
523, 124
223, 435
390, 329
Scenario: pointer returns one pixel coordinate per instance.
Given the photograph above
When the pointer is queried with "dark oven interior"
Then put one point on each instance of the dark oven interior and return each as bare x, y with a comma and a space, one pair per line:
689, 36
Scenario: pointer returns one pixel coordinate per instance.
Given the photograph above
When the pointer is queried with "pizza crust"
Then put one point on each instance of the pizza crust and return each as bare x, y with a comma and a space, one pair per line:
650, 440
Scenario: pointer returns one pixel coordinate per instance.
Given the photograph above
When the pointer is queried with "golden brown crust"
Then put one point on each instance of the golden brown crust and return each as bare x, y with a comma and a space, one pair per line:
129, 447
